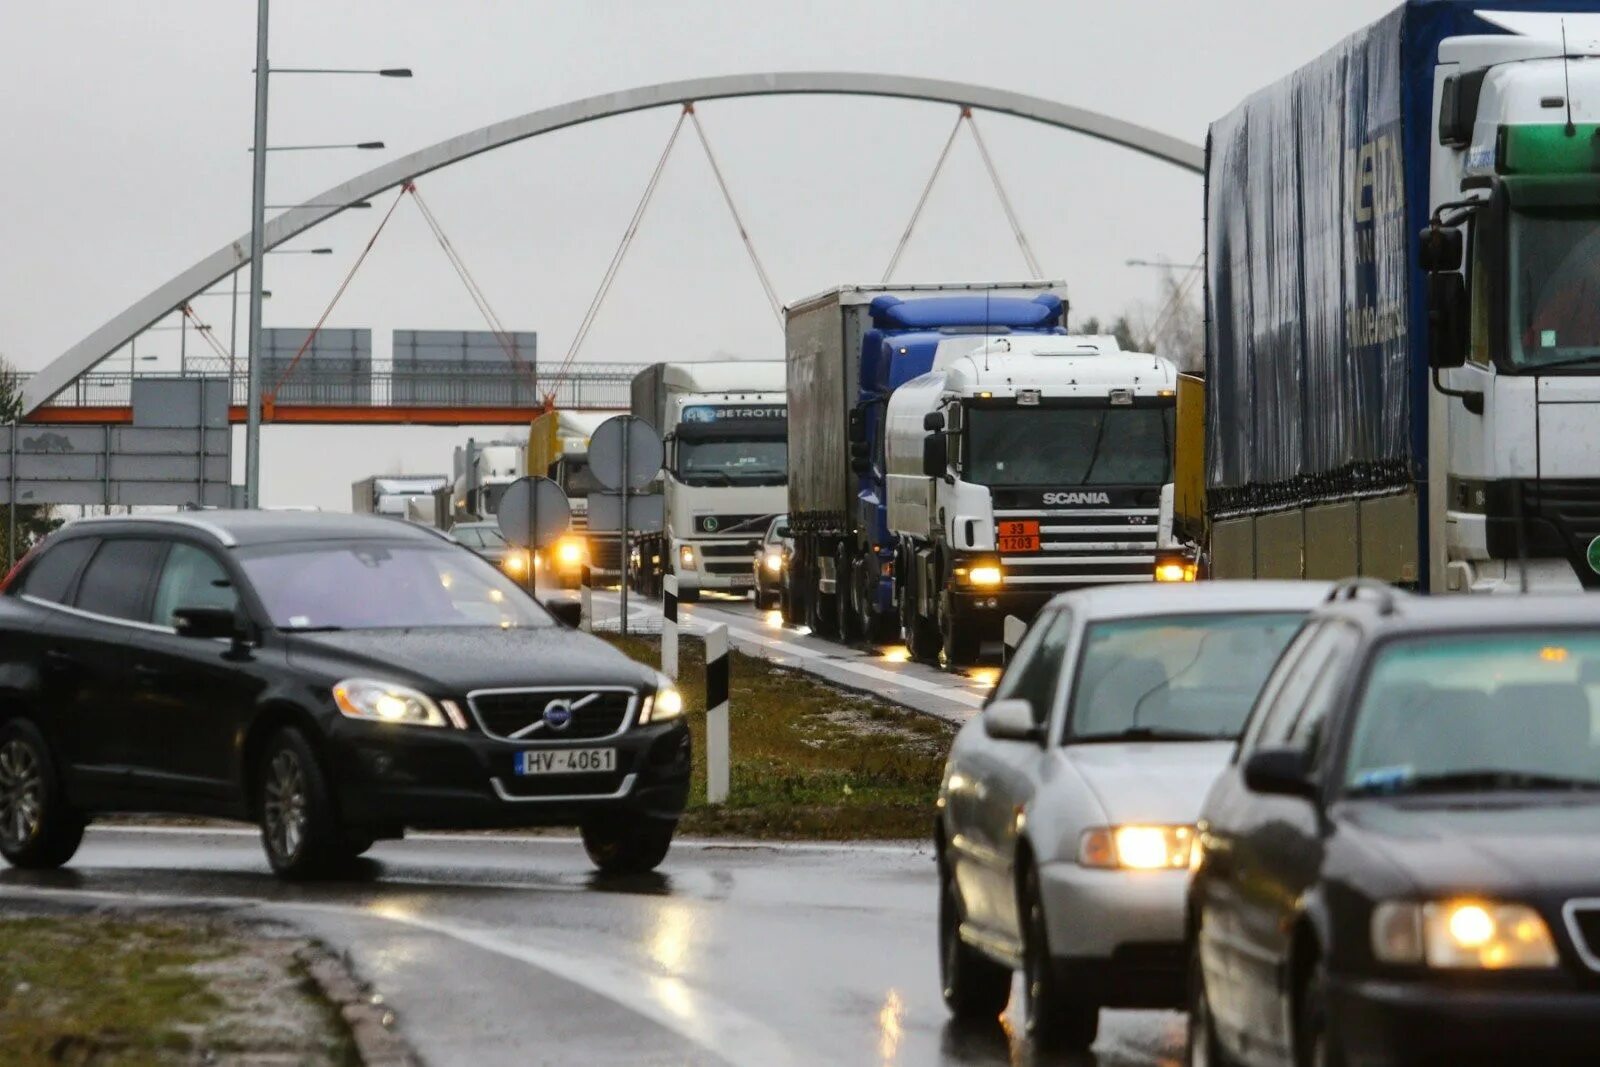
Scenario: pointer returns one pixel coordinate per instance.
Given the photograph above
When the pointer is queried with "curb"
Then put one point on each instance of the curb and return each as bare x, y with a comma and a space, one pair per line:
370, 1020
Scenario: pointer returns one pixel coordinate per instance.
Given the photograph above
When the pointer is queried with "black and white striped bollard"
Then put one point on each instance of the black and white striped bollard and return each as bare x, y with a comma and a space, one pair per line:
717, 754
586, 598
1011, 636
669, 626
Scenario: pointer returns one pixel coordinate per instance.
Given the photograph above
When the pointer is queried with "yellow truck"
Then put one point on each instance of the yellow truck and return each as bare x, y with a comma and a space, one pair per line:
558, 449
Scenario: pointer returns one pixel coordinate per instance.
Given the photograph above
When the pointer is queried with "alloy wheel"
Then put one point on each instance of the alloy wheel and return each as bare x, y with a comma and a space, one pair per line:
21, 793
284, 805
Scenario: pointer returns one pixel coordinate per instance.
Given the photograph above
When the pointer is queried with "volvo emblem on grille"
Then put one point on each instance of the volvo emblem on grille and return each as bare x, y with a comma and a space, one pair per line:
558, 714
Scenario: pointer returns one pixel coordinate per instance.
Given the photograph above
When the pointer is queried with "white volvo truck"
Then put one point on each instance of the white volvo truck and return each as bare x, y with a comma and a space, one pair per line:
1020, 468
725, 428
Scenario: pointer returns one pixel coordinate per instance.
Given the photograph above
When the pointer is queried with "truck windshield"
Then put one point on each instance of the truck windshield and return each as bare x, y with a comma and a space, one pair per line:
576, 479
1069, 446
1555, 288
733, 462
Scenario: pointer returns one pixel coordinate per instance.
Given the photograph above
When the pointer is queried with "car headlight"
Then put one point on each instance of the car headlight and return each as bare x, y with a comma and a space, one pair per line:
686, 558
363, 698
773, 562
1137, 848
1462, 935
664, 705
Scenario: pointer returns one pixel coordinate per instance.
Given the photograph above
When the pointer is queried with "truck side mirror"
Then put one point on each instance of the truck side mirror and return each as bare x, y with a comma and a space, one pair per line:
935, 456
933, 421
1440, 249
1447, 320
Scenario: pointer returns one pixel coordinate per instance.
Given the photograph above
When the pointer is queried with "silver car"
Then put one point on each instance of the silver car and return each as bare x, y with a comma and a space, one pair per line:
1067, 809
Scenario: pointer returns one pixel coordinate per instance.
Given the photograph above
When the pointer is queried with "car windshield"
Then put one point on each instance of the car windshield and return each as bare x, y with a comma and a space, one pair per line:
1032, 446
1177, 677
374, 585
761, 462
1555, 280
1482, 712
777, 524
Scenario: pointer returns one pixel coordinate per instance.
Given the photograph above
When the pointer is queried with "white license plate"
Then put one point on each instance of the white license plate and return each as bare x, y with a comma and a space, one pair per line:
743, 581
567, 761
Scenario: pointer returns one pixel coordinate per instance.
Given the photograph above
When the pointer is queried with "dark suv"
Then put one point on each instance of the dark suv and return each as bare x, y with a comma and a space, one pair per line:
1402, 863
335, 678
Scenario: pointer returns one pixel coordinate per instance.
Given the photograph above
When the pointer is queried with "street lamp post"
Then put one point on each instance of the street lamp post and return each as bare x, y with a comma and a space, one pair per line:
258, 212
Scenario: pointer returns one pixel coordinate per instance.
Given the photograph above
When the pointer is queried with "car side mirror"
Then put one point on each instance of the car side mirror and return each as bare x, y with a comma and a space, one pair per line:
1012, 720
568, 613
935, 456
1279, 772
1447, 320
207, 624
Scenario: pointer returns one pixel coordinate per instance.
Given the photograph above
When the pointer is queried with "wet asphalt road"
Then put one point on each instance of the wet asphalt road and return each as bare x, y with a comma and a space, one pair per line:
496, 950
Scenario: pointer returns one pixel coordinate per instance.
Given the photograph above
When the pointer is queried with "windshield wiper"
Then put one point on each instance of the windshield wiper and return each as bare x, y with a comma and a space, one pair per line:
312, 629
1473, 781
1147, 733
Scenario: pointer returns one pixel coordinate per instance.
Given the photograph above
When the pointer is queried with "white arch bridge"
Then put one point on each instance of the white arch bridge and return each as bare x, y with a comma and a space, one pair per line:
174, 293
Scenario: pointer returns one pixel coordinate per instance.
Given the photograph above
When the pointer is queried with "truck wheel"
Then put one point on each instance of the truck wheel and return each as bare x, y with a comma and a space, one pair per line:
821, 615
922, 636
958, 645
877, 627
844, 599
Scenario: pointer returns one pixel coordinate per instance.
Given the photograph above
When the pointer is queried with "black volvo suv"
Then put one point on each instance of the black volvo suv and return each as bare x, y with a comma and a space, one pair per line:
335, 678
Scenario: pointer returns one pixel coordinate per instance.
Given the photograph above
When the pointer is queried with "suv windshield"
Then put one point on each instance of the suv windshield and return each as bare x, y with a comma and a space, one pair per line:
1479, 712
372, 585
1555, 286
1177, 677
1034, 446
733, 462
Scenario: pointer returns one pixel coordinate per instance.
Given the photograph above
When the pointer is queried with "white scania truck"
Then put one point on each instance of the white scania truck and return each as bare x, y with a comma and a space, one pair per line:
1021, 467
1403, 307
725, 428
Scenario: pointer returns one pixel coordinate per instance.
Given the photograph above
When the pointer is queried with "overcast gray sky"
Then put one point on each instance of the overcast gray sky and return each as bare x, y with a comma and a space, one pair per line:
126, 126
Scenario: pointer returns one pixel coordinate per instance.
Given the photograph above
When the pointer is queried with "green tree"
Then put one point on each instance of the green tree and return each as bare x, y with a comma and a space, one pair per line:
34, 521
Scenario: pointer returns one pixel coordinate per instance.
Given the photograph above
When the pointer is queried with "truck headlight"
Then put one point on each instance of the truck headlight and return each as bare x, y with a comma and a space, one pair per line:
981, 573
664, 705
1462, 935
1137, 848
1176, 569
516, 563
375, 701
686, 558
569, 552
773, 562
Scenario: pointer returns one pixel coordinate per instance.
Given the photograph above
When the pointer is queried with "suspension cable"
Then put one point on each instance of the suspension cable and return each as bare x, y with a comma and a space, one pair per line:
922, 201
204, 330
1000, 190
744, 234
474, 290
622, 250
362, 258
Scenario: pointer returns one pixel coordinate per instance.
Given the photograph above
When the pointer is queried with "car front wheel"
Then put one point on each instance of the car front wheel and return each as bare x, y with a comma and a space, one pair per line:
1057, 1017
300, 829
627, 844
38, 830
975, 987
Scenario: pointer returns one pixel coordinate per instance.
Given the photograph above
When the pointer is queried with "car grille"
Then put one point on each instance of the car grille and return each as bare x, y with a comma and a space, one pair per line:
519, 715
1583, 923
546, 786
1085, 546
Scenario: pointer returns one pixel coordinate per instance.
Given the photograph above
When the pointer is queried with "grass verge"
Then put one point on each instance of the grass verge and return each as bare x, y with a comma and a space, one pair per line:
109, 990
808, 760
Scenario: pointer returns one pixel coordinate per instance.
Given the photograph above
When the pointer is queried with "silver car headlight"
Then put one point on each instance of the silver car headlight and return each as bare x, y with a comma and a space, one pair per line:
376, 701
664, 705
1462, 935
1137, 847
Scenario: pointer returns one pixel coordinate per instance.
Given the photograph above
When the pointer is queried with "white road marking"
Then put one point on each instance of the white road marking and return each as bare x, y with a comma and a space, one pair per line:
665, 999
